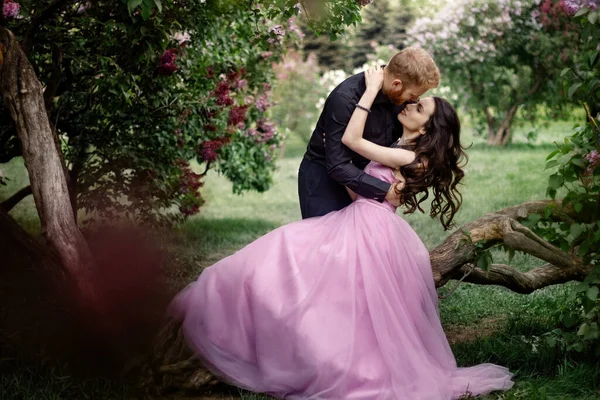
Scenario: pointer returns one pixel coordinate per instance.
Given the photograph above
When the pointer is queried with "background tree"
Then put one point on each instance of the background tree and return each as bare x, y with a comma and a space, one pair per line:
127, 99
576, 176
500, 58
190, 87
384, 23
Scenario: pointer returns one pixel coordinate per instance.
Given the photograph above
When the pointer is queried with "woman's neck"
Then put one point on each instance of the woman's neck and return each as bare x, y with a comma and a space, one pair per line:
408, 138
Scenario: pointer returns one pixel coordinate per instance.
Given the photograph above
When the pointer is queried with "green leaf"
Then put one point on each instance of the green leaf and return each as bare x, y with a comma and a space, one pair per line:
578, 207
593, 17
570, 320
132, 5
581, 11
585, 248
573, 89
511, 254
581, 287
576, 230
551, 341
484, 260
578, 162
146, 11
583, 330
555, 181
534, 218
592, 292
555, 152
593, 58
565, 71
158, 5
551, 163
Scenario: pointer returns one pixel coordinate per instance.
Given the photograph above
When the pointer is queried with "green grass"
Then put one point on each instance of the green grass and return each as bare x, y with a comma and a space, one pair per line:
484, 323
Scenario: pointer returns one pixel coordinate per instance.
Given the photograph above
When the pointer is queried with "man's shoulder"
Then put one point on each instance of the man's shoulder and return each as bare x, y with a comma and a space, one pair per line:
352, 87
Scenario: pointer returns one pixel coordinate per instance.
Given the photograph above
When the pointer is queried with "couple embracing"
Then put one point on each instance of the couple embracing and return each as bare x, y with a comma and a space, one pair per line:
342, 304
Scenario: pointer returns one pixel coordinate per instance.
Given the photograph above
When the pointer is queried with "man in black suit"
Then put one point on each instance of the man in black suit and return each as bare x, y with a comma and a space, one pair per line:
328, 167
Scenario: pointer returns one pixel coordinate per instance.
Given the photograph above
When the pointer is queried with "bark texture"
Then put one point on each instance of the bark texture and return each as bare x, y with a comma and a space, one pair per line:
23, 96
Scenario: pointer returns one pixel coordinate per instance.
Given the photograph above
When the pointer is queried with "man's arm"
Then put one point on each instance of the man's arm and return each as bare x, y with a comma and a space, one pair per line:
339, 157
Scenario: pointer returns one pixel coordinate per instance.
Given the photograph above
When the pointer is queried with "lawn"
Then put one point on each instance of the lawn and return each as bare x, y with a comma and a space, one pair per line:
484, 324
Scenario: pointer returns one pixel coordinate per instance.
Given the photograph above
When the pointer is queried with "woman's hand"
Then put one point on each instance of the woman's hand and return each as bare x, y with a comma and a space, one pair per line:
374, 78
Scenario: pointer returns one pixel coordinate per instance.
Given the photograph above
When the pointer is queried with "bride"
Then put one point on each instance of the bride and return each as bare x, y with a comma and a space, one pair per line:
344, 306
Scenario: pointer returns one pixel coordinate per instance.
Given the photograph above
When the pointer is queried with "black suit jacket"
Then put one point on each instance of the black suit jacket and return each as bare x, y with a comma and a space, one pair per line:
343, 165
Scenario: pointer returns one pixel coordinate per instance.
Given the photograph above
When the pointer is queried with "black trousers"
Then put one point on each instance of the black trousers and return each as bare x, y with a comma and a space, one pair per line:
319, 194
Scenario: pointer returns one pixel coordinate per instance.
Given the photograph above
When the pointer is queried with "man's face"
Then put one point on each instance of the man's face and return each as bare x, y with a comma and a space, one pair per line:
400, 94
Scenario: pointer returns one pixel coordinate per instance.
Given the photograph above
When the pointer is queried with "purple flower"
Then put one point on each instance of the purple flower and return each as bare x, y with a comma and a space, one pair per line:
224, 100
294, 28
237, 115
181, 38
267, 130
593, 159
167, 62
277, 30
208, 150
11, 9
262, 103
251, 132
242, 83
570, 7
83, 7
222, 88
210, 72
222, 94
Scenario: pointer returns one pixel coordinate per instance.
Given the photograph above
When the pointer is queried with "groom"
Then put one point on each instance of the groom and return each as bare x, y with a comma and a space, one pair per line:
328, 167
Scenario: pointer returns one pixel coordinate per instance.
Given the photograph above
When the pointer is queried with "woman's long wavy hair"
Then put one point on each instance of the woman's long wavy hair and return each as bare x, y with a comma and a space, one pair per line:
438, 165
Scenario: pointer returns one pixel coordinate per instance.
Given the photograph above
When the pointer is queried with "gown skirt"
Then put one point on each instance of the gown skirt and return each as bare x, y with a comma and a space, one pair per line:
341, 306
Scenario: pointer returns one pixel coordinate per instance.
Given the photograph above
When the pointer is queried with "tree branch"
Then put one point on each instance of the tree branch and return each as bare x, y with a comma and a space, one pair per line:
537, 84
13, 200
523, 282
450, 258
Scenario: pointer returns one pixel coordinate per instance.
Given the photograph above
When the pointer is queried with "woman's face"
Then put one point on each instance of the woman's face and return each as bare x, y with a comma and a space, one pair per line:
415, 116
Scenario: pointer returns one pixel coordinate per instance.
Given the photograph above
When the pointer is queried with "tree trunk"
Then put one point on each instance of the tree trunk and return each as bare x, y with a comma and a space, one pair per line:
500, 136
23, 96
42, 320
491, 123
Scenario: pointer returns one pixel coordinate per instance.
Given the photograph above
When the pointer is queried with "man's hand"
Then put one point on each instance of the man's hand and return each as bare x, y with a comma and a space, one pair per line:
392, 197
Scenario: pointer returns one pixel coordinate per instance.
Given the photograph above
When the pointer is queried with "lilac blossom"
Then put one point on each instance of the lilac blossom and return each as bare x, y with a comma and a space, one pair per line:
181, 38
11, 9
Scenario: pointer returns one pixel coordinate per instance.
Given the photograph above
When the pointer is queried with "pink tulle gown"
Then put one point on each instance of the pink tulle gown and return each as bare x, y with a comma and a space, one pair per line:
335, 307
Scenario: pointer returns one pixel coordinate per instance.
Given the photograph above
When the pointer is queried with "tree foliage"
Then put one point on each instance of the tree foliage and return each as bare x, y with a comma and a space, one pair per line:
138, 89
500, 57
384, 23
576, 175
